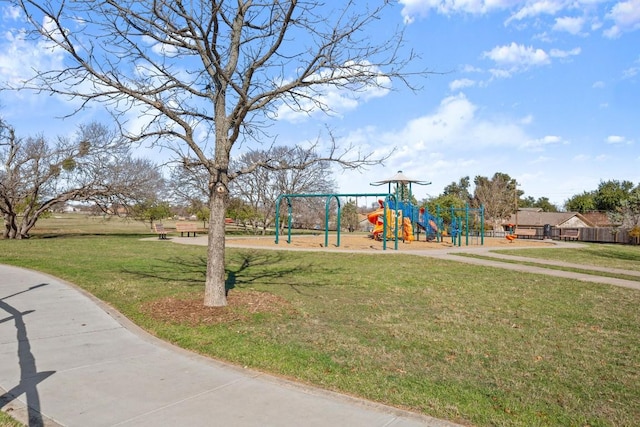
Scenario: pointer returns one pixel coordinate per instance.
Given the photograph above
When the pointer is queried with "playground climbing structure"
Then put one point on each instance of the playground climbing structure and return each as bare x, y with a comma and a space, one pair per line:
401, 209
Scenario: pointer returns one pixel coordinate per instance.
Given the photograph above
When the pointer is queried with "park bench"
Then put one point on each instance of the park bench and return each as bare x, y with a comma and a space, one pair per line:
186, 227
571, 234
160, 231
526, 232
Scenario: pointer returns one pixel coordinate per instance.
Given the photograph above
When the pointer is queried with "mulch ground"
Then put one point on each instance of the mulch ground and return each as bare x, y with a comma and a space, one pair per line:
192, 312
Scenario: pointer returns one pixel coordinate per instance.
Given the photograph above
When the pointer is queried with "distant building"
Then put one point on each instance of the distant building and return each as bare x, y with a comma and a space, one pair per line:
535, 218
599, 219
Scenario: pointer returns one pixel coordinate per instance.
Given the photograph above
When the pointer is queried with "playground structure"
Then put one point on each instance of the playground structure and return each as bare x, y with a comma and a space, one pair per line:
405, 218
389, 216
414, 219
511, 233
460, 226
397, 218
401, 210
328, 198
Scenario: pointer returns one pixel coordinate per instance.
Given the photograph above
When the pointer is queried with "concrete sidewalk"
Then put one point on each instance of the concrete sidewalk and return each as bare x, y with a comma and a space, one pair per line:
67, 359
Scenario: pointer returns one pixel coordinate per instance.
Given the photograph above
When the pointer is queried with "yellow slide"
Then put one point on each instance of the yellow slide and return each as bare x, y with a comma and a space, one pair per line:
407, 230
376, 219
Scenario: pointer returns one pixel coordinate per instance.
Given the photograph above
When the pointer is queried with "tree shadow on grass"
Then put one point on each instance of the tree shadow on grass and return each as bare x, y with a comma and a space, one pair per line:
72, 235
243, 268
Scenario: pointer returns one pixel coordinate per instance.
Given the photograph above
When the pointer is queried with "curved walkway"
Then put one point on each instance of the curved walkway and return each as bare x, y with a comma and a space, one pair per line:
68, 359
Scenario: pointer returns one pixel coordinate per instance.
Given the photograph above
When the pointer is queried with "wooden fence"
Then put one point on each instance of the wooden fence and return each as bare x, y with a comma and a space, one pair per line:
605, 235
585, 234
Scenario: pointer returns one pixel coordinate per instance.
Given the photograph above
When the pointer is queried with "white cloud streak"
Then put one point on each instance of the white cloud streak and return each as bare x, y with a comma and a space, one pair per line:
625, 16
513, 58
570, 24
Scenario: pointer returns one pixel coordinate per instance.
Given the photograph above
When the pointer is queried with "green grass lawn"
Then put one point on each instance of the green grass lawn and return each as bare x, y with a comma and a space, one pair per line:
602, 255
471, 344
77, 224
576, 268
7, 421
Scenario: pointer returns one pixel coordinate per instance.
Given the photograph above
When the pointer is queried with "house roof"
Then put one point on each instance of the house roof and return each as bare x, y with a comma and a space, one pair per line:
529, 209
527, 218
599, 219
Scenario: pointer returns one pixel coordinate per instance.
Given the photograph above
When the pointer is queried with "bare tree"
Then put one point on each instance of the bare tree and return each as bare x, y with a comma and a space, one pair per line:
498, 195
208, 74
279, 173
188, 185
95, 165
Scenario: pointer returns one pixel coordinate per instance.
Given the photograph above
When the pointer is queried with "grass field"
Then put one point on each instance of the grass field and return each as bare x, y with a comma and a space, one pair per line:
574, 267
475, 345
611, 256
7, 421
77, 224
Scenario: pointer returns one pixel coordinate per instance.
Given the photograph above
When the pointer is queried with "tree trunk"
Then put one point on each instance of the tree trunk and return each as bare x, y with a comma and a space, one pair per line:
215, 291
10, 226
25, 226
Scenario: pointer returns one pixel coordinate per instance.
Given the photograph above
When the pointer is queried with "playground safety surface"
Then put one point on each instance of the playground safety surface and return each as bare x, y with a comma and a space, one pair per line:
362, 242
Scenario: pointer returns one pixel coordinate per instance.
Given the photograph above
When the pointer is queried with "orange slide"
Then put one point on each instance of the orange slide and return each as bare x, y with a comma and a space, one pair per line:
376, 218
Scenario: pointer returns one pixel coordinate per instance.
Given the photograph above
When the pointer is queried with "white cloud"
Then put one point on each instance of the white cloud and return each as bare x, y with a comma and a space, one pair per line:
625, 16
333, 100
461, 84
541, 160
412, 9
455, 124
453, 140
527, 120
618, 140
19, 57
536, 8
471, 69
598, 85
515, 57
596, 25
541, 143
161, 49
569, 24
12, 13
630, 72
557, 53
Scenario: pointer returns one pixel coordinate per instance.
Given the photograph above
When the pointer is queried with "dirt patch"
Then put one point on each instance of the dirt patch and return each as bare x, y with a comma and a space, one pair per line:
191, 311
362, 242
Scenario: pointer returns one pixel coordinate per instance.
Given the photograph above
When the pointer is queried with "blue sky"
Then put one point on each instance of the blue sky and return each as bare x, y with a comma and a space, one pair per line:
545, 91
